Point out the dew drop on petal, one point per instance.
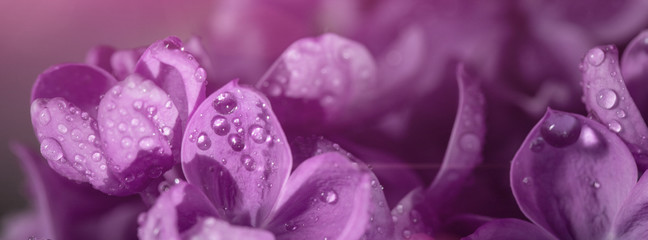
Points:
(470, 142)
(328, 196)
(290, 226)
(620, 113)
(96, 156)
(225, 103)
(248, 162)
(126, 142)
(607, 98)
(560, 129)
(200, 74)
(220, 125)
(258, 133)
(407, 234)
(595, 56)
(615, 126)
(537, 144)
(236, 142)
(44, 117)
(51, 149)
(62, 128)
(146, 143)
(203, 142)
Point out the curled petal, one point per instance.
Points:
(139, 127)
(607, 98)
(327, 196)
(176, 71)
(235, 150)
(82, 85)
(100, 56)
(464, 151)
(509, 229)
(212, 228)
(123, 62)
(632, 220)
(324, 80)
(175, 212)
(71, 144)
(571, 175)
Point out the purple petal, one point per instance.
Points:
(634, 67)
(139, 125)
(509, 229)
(571, 175)
(82, 85)
(24, 225)
(327, 196)
(606, 97)
(632, 220)
(236, 151)
(100, 56)
(408, 220)
(176, 211)
(177, 72)
(71, 144)
(212, 228)
(464, 151)
(123, 62)
(324, 80)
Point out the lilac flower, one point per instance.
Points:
(63, 209)
(237, 161)
(117, 135)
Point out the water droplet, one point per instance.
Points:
(328, 196)
(62, 128)
(248, 162)
(258, 133)
(76, 134)
(607, 98)
(537, 144)
(399, 208)
(236, 142)
(138, 104)
(615, 126)
(595, 56)
(121, 127)
(200, 74)
(525, 180)
(225, 103)
(91, 138)
(560, 129)
(596, 184)
(168, 104)
(290, 226)
(96, 156)
(407, 234)
(79, 158)
(129, 178)
(620, 113)
(44, 117)
(152, 110)
(146, 143)
(203, 142)
(220, 125)
(51, 149)
(470, 142)
(126, 142)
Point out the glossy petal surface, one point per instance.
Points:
(408, 220)
(571, 175)
(509, 229)
(607, 98)
(235, 149)
(327, 196)
(632, 220)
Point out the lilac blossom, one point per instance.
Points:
(237, 161)
(117, 135)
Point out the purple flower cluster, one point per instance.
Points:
(359, 119)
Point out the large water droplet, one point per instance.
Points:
(560, 129)
(203, 142)
(44, 117)
(200, 74)
(329, 196)
(220, 125)
(225, 103)
(615, 126)
(470, 142)
(236, 142)
(595, 56)
(258, 133)
(51, 149)
(146, 143)
(607, 98)
(248, 162)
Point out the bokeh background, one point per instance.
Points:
(36, 34)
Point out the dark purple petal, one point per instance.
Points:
(327, 196)
(82, 85)
(100, 56)
(321, 81)
(571, 175)
(123, 62)
(177, 72)
(634, 67)
(235, 150)
(632, 220)
(607, 98)
(464, 151)
(212, 228)
(23, 226)
(408, 220)
(510, 229)
(139, 125)
(71, 144)
(176, 211)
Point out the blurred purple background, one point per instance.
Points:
(36, 34)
